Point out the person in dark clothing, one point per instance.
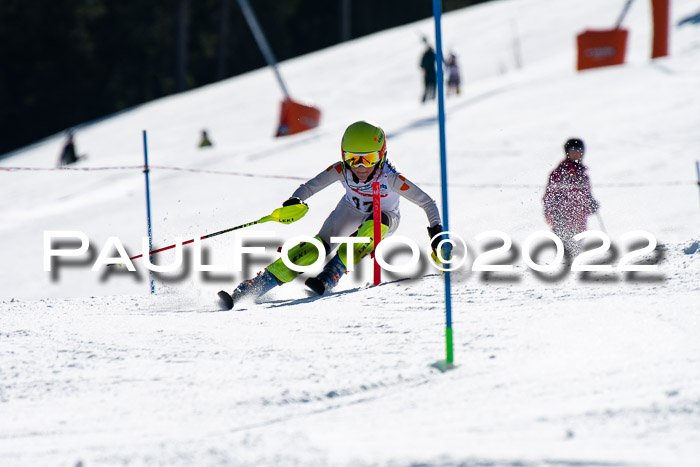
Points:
(427, 63)
(568, 200)
(68, 155)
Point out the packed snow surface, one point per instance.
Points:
(552, 368)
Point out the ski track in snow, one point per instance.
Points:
(208, 386)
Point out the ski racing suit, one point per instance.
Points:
(354, 211)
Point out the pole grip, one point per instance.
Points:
(377, 214)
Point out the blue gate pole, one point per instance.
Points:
(148, 207)
(437, 12)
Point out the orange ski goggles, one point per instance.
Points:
(366, 159)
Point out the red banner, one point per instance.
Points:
(601, 48)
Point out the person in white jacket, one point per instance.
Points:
(363, 161)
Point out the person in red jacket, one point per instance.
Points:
(568, 200)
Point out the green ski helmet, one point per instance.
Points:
(363, 144)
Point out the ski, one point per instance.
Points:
(225, 300)
(315, 285)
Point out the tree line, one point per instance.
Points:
(66, 62)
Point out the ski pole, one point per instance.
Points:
(284, 215)
(697, 167)
(600, 220)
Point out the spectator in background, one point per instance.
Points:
(452, 74)
(205, 141)
(427, 63)
(568, 200)
(68, 155)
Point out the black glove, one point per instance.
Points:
(292, 201)
(432, 232)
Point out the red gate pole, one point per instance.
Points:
(377, 205)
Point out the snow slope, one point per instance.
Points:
(554, 369)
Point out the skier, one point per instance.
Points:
(363, 161)
(568, 200)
